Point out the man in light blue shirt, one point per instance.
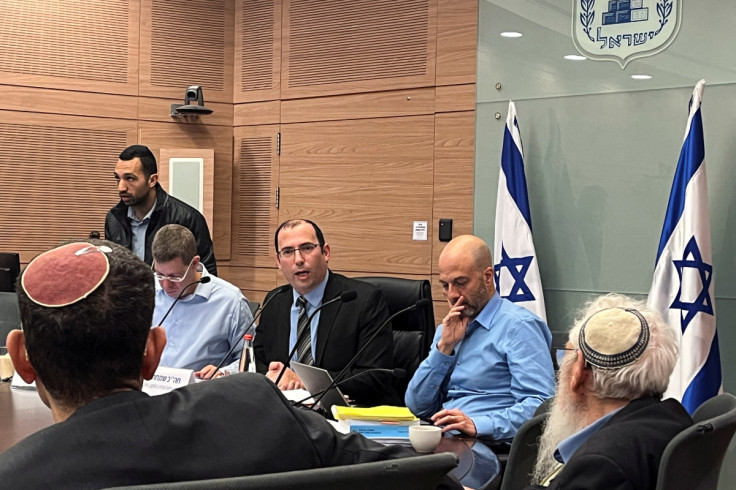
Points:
(490, 366)
(208, 320)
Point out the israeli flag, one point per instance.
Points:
(514, 258)
(682, 288)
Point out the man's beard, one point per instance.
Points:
(565, 419)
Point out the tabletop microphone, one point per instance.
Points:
(257, 315)
(345, 297)
(396, 372)
(422, 303)
(202, 280)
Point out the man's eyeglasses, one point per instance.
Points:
(561, 352)
(304, 249)
(162, 277)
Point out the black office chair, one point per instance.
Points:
(9, 270)
(693, 458)
(523, 454)
(545, 407)
(9, 314)
(559, 339)
(414, 473)
(254, 305)
(414, 330)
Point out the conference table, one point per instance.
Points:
(22, 413)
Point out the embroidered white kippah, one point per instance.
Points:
(614, 337)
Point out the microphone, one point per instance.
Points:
(396, 372)
(202, 280)
(345, 297)
(422, 303)
(257, 315)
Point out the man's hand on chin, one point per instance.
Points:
(454, 326)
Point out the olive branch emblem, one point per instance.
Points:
(587, 14)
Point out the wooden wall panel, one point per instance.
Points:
(453, 98)
(410, 102)
(454, 158)
(257, 50)
(335, 47)
(168, 135)
(255, 177)
(255, 282)
(457, 41)
(366, 94)
(83, 45)
(257, 113)
(57, 177)
(187, 42)
(49, 101)
(364, 182)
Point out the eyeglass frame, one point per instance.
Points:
(561, 352)
(161, 277)
(291, 251)
(559, 358)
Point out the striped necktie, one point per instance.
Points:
(303, 334)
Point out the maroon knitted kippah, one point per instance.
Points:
(66, 275)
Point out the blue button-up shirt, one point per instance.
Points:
(567, 447)
(204, 325)
(498, 374)
(139, 227)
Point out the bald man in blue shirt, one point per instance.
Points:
(490, 366)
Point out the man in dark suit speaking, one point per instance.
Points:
(88, 344)
(335, 332)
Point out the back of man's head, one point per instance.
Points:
(148, 160)
(171, 242)
(86, 310)
(629, 348)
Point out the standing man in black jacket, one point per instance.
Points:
(145, 207)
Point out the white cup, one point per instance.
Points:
(6, 365)
(424, 438)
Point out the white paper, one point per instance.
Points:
(420, 230)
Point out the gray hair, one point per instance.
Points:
(650, 374)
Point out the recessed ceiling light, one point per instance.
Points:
(641, 77)
(575, 57)
(511, 34)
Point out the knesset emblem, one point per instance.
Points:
(623, 30)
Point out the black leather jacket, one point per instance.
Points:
(168, 210)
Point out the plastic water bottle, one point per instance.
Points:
(248, 358)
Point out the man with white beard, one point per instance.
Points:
(608, 426)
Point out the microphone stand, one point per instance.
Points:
(422, 303)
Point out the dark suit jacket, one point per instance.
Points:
(625, 452)
(236, 425)
(343, 328)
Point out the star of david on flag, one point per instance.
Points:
(682, 288)
(514, 257)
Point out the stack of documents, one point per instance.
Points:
(384, 424)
